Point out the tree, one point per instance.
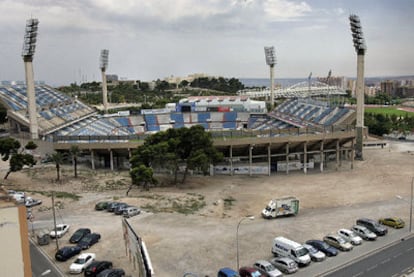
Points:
(142, 175)
(74, 152)
(191, 147)
(57, 158)
(9, 150)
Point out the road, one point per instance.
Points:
(395, 260)
(41, 265)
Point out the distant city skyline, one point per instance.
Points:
(150, 40)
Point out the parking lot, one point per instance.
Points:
(205, 241)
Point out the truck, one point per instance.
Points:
(281, 207)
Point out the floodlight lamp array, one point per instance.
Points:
(104, 59)
(357, 34)
(270, 55)
(30, 36)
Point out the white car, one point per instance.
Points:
(19, 196)
(350, 236)
(315, 254)
(267, 268)
(363, 232)
(61, 229)
(81, 263)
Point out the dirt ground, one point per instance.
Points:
(204, 241)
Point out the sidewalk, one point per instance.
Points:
(343, 259)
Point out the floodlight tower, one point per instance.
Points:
(103, 66)
(271, 61)
(360, 48)
(29, 46)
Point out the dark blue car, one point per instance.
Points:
(227, 272)
(324, 247)
(66, 253)
(89, 240)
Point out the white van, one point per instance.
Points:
(131, 211)
(287, 248)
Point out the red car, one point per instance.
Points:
(250, 272)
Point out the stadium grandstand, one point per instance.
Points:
(304, 123)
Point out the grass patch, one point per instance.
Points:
(387, 111)
(58, 194)
(228, 202)
(183, 205)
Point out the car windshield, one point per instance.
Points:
(325, 245)
(352, 235)
(80, 261)
(301, 252)
(256, 274)
(341, 240)
(87, 239)
(269, 267)
(312, 249)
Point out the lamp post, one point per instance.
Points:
(103, 65)
(360, 48)
(28, 51)
(411, 203)
(271, 61)
(237, 237)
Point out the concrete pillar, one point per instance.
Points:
(305, 157)
(104, 91)
(322, 157)
(287, 158)
(31, 99)
(250, 159)
(352, 154)
(337, 155)
(231, 160)
(111, 159)
(269, 157)
(360, 90)
(92, 159)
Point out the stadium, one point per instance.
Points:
(309, 128)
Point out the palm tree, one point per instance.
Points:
(57, 158)
(74, 152)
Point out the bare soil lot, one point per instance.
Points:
(192, 228)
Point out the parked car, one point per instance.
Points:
(79, 234)
(373, 226)
(227, 272)
(120, 208)
(315, 254)
(61, 229)
(350, 236)
(363, 232)
(131, 211)
(267, 268)
(247, 271)
(394, 222)
(338, 242)
(284, 264)
(19, 196)
(329, 251)
(89, 240)
(82, 262)
(114, 272)
(102, 205)
(112, 206)
(97, 266)
(43, 237)
(67, 252)
(30, 202)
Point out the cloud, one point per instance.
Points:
(283, 10)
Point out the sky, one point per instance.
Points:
(154, 39)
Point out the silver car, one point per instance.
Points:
(315, 254)
(267, 268)
(363, 232)
(284, 264)
(350, 236)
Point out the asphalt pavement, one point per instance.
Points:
(361, 255)
(41, 265)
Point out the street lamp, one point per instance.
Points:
(237, 237)
(103, 65)
(271, 61)
(411, 203)
(28, 51)
(360, 48)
